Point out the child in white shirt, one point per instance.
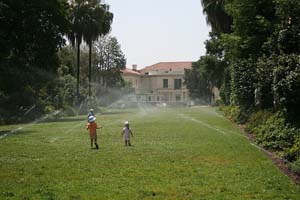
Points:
(127, 132)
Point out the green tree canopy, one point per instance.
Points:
(30, 35)
(90, 19)
(109, 61)
(216, 16)
(205, 74)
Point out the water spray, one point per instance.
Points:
(30, 124)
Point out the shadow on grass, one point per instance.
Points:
(18, 131)
(2, 133)
(63, 120)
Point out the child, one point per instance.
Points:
(127, 132)
(91, 113)
(92, 126)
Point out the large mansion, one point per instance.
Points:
(161, 82)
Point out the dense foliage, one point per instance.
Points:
(108, 63)
(39, 74)
(203, 77)
(219, 20)
(31, 33)
(207, 73)
(89, 20)
(106, 83)
(261, 79)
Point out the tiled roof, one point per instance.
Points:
(168, 66)
(130, 71)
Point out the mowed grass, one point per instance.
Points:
(184, 153)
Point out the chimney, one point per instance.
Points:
(134, 67)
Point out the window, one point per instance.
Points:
(177, 97)
(157, 98)
(149, 98)
(165, 83)
(177, 84)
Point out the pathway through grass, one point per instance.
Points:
(186, 153)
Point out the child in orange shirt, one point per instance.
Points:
(92, 126)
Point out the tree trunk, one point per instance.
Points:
(78, 71)
(90, 68)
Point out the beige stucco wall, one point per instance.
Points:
(135, 80)
(153, 86)
(150, 87)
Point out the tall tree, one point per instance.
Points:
(98, 23)
(78, 18)
(30, 36)
(109, 61)
(205, 74)
(253, 24)
(90, 19)
(216, 16)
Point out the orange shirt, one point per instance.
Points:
(92, 127)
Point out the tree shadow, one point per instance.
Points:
(63, 120)
(7, 133)
(2, 133)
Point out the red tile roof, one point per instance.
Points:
(130, 71)
(169, 65)
(159, 66)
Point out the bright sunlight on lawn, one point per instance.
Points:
(183, 153)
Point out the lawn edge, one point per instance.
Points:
(279, 162)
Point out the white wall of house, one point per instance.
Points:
(135, 80)
(152, 87)
(149, 83)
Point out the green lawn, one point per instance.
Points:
(184, 153)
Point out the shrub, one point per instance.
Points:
(244, 114)
(264, 96)
(286, 86)
(237, 114)
(243, 83)
(275, 134)
(294, 152)
(295, 166)
(70, 111)
(218, 102)
(232, 112)
(49, 109)
(256, 120)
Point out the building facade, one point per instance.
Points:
(161, 82)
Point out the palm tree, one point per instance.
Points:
(98, 23)
(78, 17)
(216, 16)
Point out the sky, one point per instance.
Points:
(152, 31)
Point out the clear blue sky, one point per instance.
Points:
(152, 31)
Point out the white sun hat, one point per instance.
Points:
(92, 118)
(125, 123)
